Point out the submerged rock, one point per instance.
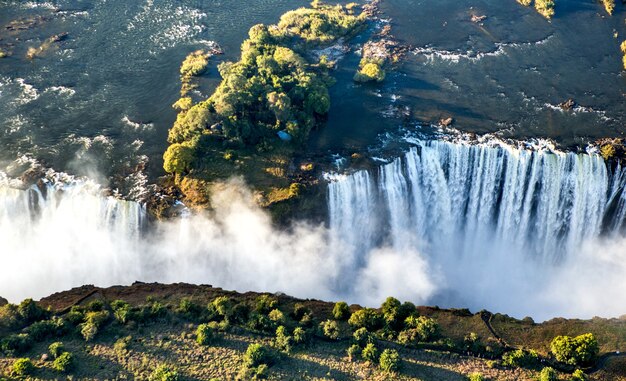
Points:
(568, 104)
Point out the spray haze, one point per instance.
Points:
(456, 225)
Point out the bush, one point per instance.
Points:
(341, 311)
(30, 312)
(370, 353)
(300, 336)
(76, 315)
(578, 375)
(354, 351)
(16, 344)
(178, 158)
(47, 328)
(205, 334)
(95, 305)
(282, 341)
(366, 317)
(64, 363)
(521, 359)
(9, 316)
(240, 313)
(223, 305)
(56, 349)
(22, 367)
(265, 304)
(362, 337)
(330, 329)
(260, 322)
(163, 373)
(121, 311)
(548, 374)
(425, 329)
(580, 350)
(389, 360)
(93, 321)
(257, 355)
(299, 310)
(276, 316)
(476, 377)
(370, 72)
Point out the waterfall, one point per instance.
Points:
(63, 233)
(474, 200)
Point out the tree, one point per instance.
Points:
(256, 355)
(178, 158)
(579, 350)
(366, 317)
(370, 72)
(390, 360)
(330, 329)
(341, 311)
(370, 353)
(64, 363)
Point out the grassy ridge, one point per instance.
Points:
(154, 334)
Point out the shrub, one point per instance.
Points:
(578, 375)
(299, 310)
(300, 336)
(22, 367)
(64, 363)
(15, 344)
(330, 329)
(95, 305)
(276, 316)
(9, 316)
(266, 303)
(56, 349)
(30, 312)
(354, 351)
(178, 158)
(194, 64)
(476, 377)
(240, 313)
(282, 341)
(76, 315)
(121, 311)
(548, 374)
(366, 317)
(341, 311)
(370, 353)
(260, 322)
(93, 322)
(205, 334)
(223, 305)
(426, 329)
(521, 359)
(256, 355)
(580, 350)
(361, 336)
(370, 72)
(389, 360)
(163, 373)
(41, 330)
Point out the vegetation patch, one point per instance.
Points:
(265, 106)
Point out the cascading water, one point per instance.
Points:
(473, 199)
(511, 230)
(486, 218)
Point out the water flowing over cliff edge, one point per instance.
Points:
(527, 232)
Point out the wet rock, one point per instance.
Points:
(568, 104)
(477, 19)
(447, 122)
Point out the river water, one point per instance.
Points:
(488, 225)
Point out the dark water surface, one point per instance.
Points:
(98, 103)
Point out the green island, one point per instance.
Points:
(260, 116)
(186, 332)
